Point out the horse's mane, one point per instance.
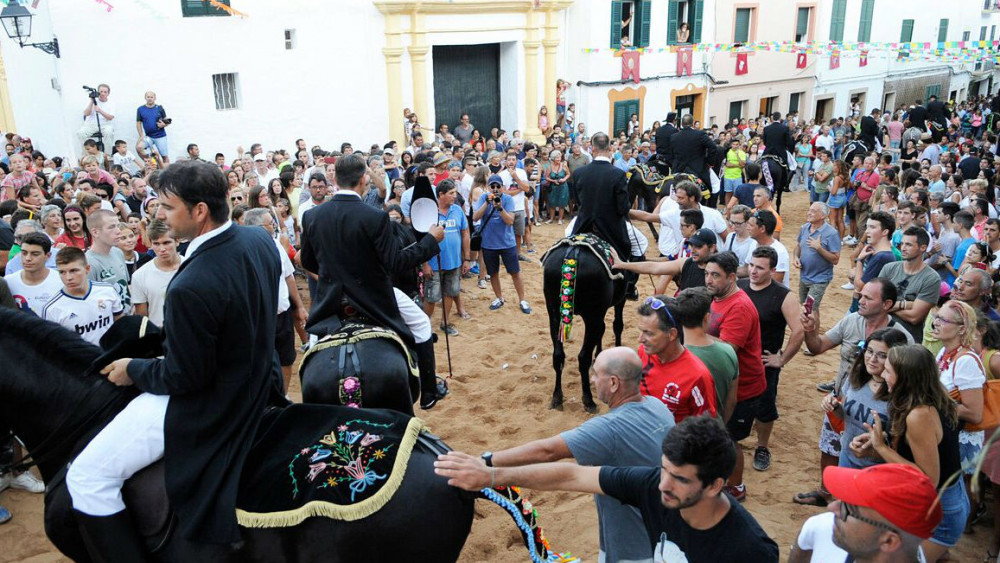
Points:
(62, 345)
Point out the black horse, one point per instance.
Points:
(51, 400)
(646, 184)
(857, 147)
(576, 282)
(776, 176)
(360, 366)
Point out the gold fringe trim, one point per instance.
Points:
(348, 513)
(341, 338)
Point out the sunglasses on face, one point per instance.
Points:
(850, 511)
(236, 198)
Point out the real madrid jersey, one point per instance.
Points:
(89, 316)
(33, 297)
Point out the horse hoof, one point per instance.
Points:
(590, 408)
(557, 403)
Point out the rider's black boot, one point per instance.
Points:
(111, 538)
(430, 391)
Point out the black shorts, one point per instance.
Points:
(768, 411)
(744, 414)
(284, 339)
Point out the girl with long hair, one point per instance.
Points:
(924, 424)
(75, 233)
(479, 179)
(838, 195)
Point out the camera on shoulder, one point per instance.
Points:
(92, 92)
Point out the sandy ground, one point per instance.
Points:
(501, 385)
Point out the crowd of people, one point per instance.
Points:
(914, 212)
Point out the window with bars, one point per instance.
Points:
(226, 88)
(198, 8)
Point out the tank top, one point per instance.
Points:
(986, 356)
(768, 303)
(948, 457)
(691, 275)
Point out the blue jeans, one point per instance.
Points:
(729, 184)
(838, 150)
(894, 145)
(815, 196)
(955, 505)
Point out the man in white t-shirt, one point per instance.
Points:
(739, 241)
(104, 107)
(318, 190)
(85, 307)
(149, 283)
(762, 224)
(106, 260)
(35, 284)
(886, 509)
(515, 184)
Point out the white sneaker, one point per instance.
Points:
(25, 481)
(847, 285)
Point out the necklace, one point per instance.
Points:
(945, 362)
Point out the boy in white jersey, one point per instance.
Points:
(34, 285)
(85, 307)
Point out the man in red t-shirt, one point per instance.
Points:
(734, 320)
(671, 373)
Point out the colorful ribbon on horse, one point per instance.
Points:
(567, 291)
(526, 519)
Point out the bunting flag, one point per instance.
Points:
(741, 63)
(834, 60)
(105, 3)
(684, 61)
(801, 59)
(863, 60)
(220, 6)
(630, 66)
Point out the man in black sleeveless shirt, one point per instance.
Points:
(777, 308)
(690, 271)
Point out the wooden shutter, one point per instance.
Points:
(793, 102)
(943, 30)
(906, 35)
(621, 117)
(616, 24)
(742, 32)
(699, 10)
(642, 31)
(837, 20)
(802, 25)
(673, 24)
(865, 27)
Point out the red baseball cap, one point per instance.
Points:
(901, 493)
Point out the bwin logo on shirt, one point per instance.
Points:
(91, 326)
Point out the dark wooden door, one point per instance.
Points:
(467, 80)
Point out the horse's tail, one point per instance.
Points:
(567, 293)
(526, 519)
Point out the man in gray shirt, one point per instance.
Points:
(464, 130)
(917, 284)
(816, 253)
(630, 434)
(107, 261)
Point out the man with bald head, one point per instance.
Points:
(630, 433)
(972, 287)
(151, 123)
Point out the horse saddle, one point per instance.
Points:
(592, 243)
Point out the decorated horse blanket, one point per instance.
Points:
(352, 333)
(322, 460)
(590, 243)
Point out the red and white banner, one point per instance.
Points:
(834, 60)
(741, 64)
(630, 66)
(801, 60)
(684, 61)
(863, 61)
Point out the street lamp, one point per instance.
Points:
(16, 21)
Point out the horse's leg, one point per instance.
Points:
(649, 198)
(594, 327)
(779, 188)
(619, 322)
(558, 353)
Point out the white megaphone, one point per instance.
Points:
(423, 205)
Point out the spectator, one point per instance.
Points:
(817, 251)
(776, 310)
(918, 284)
(739, 241)
(107, 261)
(924, 424)
(34, 285)
(876, 253)
(671, 373)
(733, 164)
(686, 515)
(962, 223)
(75, 234)
(690, 272)
(694, 308)
(762, 202)
(947, 237)
(150, 281)
(85, 307)
(629, 434)
(864, 184)
(126, 159)
(735, 322)
(319, 189)
(496, 210)
(885, 509)
(515, 183)
(127, 239)
(103, 107)
(762, 225)
(443, 273)
(18, 178)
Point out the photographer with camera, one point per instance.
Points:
(151, 122)
(496, 210)
(98, 116)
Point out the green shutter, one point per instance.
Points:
(793, 102)
(982, 33)
(802, 24)
(865, 26)
(837, 20)
(742, 32)
(735, 110)
(642, 34)
(616, 24)
(195, 8)
(622, 111)
(932, 90)
(943, 30)
(907, 34)
(672, 23)
(993, 32)
(699, 10)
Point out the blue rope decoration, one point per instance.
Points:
(519, 521)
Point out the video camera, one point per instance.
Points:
(92, 92)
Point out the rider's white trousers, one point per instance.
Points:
(415, 318)
(130, 442)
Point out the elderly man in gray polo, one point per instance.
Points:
(817, 251)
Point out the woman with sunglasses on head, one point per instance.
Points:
(924, 422)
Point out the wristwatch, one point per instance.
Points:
(487, 458)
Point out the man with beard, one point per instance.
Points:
(688, 516)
